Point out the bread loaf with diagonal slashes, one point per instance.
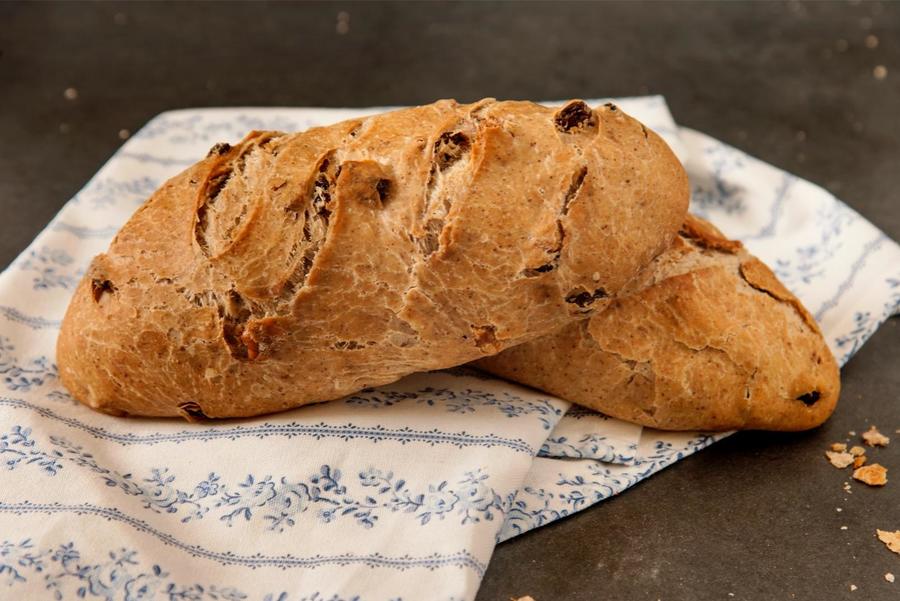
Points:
(705, 338)
(295, 268)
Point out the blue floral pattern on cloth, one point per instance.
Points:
(866, 322)
(106, 192)
(120, 574)
(375, 497)
(575, 487)
(460, 400)
(50, 268)
(17, 449)
(717, 192)
(35, 323)
(23, 376)
(274, 500)
(588, 446)
(316, 431)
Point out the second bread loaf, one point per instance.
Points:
(706, 338)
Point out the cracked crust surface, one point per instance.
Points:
(295, 268)
(705, 338)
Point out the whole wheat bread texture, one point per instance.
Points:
(706, 338)
(295, 268)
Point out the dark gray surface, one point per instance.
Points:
(756, 515)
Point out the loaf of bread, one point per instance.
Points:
(296, 268)
(706, 338)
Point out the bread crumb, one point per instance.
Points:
(521, 599)
(891, 539)
(874, 438)
(856, 451)
(852, 432)
(889, 577)
(70, 93)
(343, 23)
(871, 41)
(843, 527)
(839, 509)
(859, 461)
(880, 72)
(838, 447)
(124, 134)
(839, 460)
(873, 475)
(853, 587)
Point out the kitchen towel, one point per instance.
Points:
(397, 493)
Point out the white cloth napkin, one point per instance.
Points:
(398, 493)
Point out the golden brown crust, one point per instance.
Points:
(706, 235)
(708, 339)
(297, 268)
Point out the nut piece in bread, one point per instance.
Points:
(295, 268)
